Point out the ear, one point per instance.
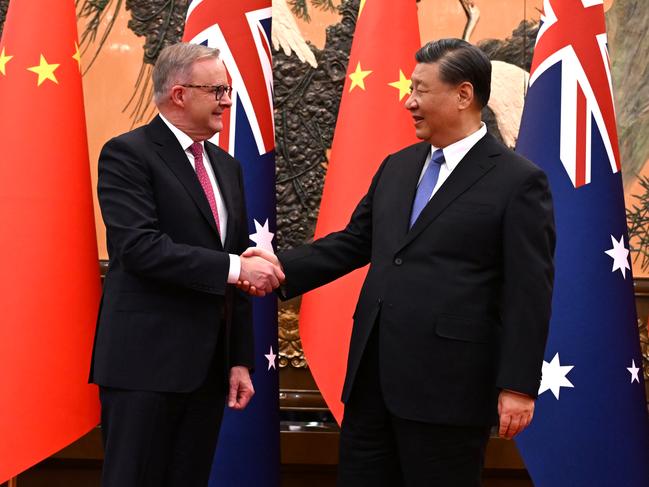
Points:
(177, 95)
(465, 95)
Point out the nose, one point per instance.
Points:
(411, 102)
(225, 100)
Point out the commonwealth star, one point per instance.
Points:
(554, 376)
(263, 237)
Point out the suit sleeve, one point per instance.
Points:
(313, 265)
(128, 208)
(242, 331)
(528, 253)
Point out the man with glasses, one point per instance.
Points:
(174, 338)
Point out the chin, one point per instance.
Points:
(421, 134)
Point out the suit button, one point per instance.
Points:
(398, 261)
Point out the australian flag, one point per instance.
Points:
(248, 449)
(590, 427)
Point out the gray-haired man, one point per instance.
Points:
(174, 337)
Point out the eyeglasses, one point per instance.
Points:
(218, 90)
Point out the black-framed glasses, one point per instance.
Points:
(218, 90)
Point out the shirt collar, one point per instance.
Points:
(456, 151)
(183, 139)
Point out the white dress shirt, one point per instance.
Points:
(453, 154)
(185, 142)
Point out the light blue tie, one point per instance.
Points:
(426, 185)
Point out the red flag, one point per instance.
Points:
(372, 122)
(49, 279)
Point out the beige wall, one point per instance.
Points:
(107, 87)
(445, 18)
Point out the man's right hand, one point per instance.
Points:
(261, 273)
(256, 253)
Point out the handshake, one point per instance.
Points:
(261, 272)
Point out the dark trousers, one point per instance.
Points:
(161, 439)
(378, 449)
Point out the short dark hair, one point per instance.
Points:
(460, 61)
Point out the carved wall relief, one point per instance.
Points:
(306, 108)
(4, 5)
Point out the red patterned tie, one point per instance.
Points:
(197, 151)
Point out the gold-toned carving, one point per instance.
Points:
(291, 353)
(306, 101)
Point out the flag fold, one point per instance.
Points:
(590, 426)
(372, 123)
(49, 273)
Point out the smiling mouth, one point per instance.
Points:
(417, 119)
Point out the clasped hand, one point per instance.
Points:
(515, 411)
(261, 272)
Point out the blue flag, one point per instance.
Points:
(248, 450)
(590, 427)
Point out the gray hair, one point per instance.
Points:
(174, 66)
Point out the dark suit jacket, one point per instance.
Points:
(165, 298)
(462, 299)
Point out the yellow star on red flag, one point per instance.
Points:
(385, 38)
(77, 55)
(358, 77)
(44, 70)
(360, 9)
(4, 59)
(403, 85)
(25, 419)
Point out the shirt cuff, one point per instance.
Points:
(518, 393)
(235, 269)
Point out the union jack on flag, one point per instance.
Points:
(241, 31)
(573, 33)
(590, 426)
(248, 449)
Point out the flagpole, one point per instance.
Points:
(13, 482)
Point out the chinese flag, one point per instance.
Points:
(372, 123)
(49, 279)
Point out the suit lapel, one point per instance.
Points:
(173, 155)
(227, 182)
(406, 181)
(477, 162)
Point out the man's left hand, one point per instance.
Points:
(241, 389)
(245, 285)
(515, 411)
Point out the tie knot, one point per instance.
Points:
(197, 150)
(438, 157)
